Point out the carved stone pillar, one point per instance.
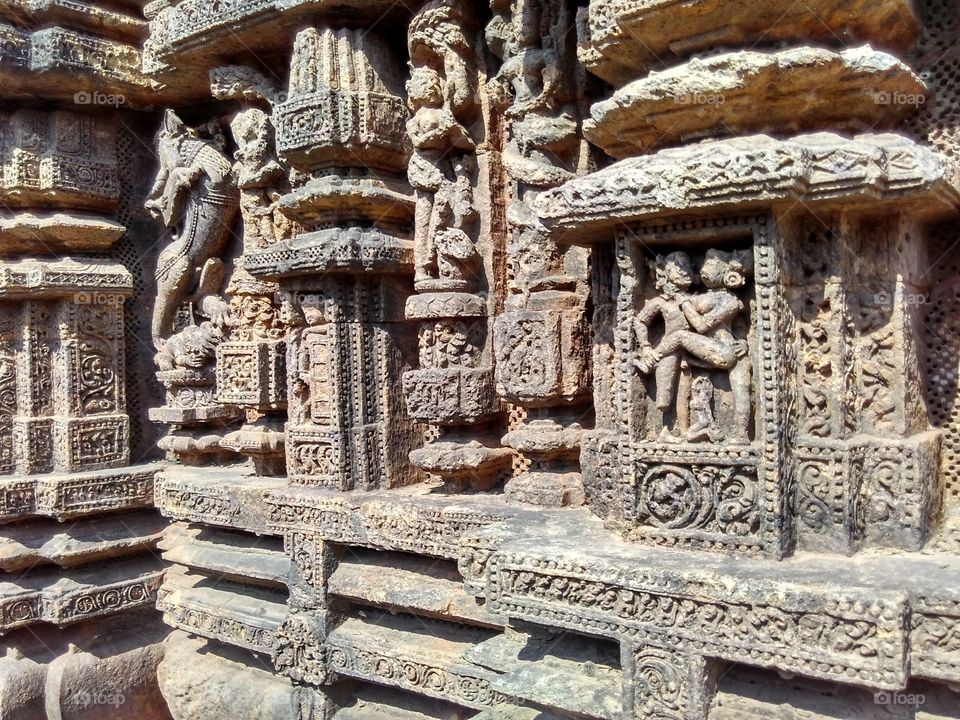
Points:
(667, 683)
(541, 339)
(65, 425)
(343, 278)
(453, 387)
(865, 454)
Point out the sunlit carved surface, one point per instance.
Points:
(534, 361)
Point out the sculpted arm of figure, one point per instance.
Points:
(642, 320)
(697, 320)
(458, 89)
(723, 307)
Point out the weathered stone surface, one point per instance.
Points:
(108, 669)
(799, 89)
(200, 681)
(57, 232)
(423, 586)
(624, 38)
(460, 417)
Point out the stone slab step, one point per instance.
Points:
(370, 702)
(257, 560)
(91, 591)
(416, 654)
(562, 672)
(95, 539)
(418, 585)
(239, 615)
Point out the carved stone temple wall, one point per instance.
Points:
(434, 360)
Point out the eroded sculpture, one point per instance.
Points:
(536, 360)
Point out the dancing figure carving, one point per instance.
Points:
(196, 197)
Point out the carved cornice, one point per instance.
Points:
(821, 170)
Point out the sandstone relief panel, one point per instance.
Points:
(531, 360)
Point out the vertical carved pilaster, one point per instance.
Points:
(541, 340)
(451, 174)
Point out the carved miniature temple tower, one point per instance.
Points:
(345, 277)
(451, 170)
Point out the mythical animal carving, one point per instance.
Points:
(195, 195)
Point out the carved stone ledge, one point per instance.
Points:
(390, 650)
(403, 583)
(81, 14)
(90, 592)
(821, 170)
(626, 38)
(65, 63)
(223, 554)
(67, 496)
(441, 305)
(242, 616)
(27, 545)
(220, 496)
(87, 281)
(195, 29)
(840, 620)
(344, 250)
(541, 668)
(738, 93)
(402, 520)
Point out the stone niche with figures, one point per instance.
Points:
(759, 403)
(757, 363)
(479, 360)
(690, 320)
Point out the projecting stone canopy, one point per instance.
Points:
(347, 250)
(803, 88)
(333, 198)
(822, 169)
(626, 38)
(43, 233)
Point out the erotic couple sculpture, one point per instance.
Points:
(697, 332)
